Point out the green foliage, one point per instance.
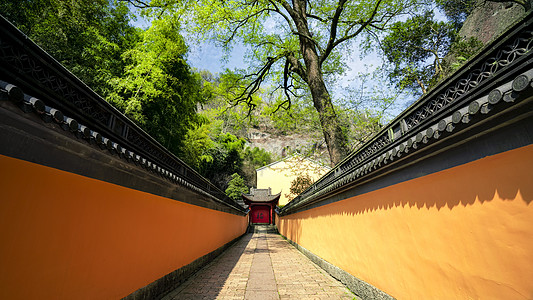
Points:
(227, 158)
(236, 187)
(227, 123)
(298, 185)
(196, 146)
(226, 116)
(88, 37)
(301, 117)
(360, 126)
(218, 157)
(456, 10)
(254, 158)
(416, 48)
(424, 50)
(158, 89)
(297, 47)
(257, 157)
(143, 73)
(461, 50)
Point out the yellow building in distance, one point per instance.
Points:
(279, 175)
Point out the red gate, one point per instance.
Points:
(260, 214)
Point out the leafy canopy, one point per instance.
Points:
(226, 158)
(142, 73)
(416, 48)
(236, 187)
(296, 47)
(424, 49)
(158, 89)
(88, 37)
(271, 29)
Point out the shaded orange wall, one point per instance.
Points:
(65, 236)
(462, 233)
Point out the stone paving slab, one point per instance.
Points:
(261, 266)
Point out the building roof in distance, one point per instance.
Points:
(260, 195)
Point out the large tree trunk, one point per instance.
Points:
(335, 139)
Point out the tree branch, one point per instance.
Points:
(311, 16)
(334, 43)
(288, 8)
(248, 91)
(333, 31)
(137, 3)
(240, 23)
(144, 4)
(284, 16)
(310, 39)
(296, 66)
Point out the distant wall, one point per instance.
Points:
(66, 236)
(461, 233)
(279, 175)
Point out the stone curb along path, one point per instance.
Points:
(261, 266)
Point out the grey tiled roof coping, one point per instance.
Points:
(261, 195)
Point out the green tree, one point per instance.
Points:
(236, 187)
(158, 90)
(88, 37)
(226, 117)
(423, 49)
(456, 11)
(227, 158)
(301, 118)
(298, 185)
(296, 45)
(257, 157)
(196, 146)
(254, 158)
(416, 48)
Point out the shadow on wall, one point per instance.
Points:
(465, 229)
(494, 177)
(482, 192)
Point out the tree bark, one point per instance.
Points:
(335, 139)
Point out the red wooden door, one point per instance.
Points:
(261, 214)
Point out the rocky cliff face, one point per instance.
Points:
(490, 19)
(282, 145)
(487, 21)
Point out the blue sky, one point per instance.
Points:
(204, 55)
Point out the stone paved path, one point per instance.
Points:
(261, 266)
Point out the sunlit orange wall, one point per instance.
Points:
(65, 236)
(462, 233)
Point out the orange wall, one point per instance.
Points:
(65, 236)
(462, 233)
